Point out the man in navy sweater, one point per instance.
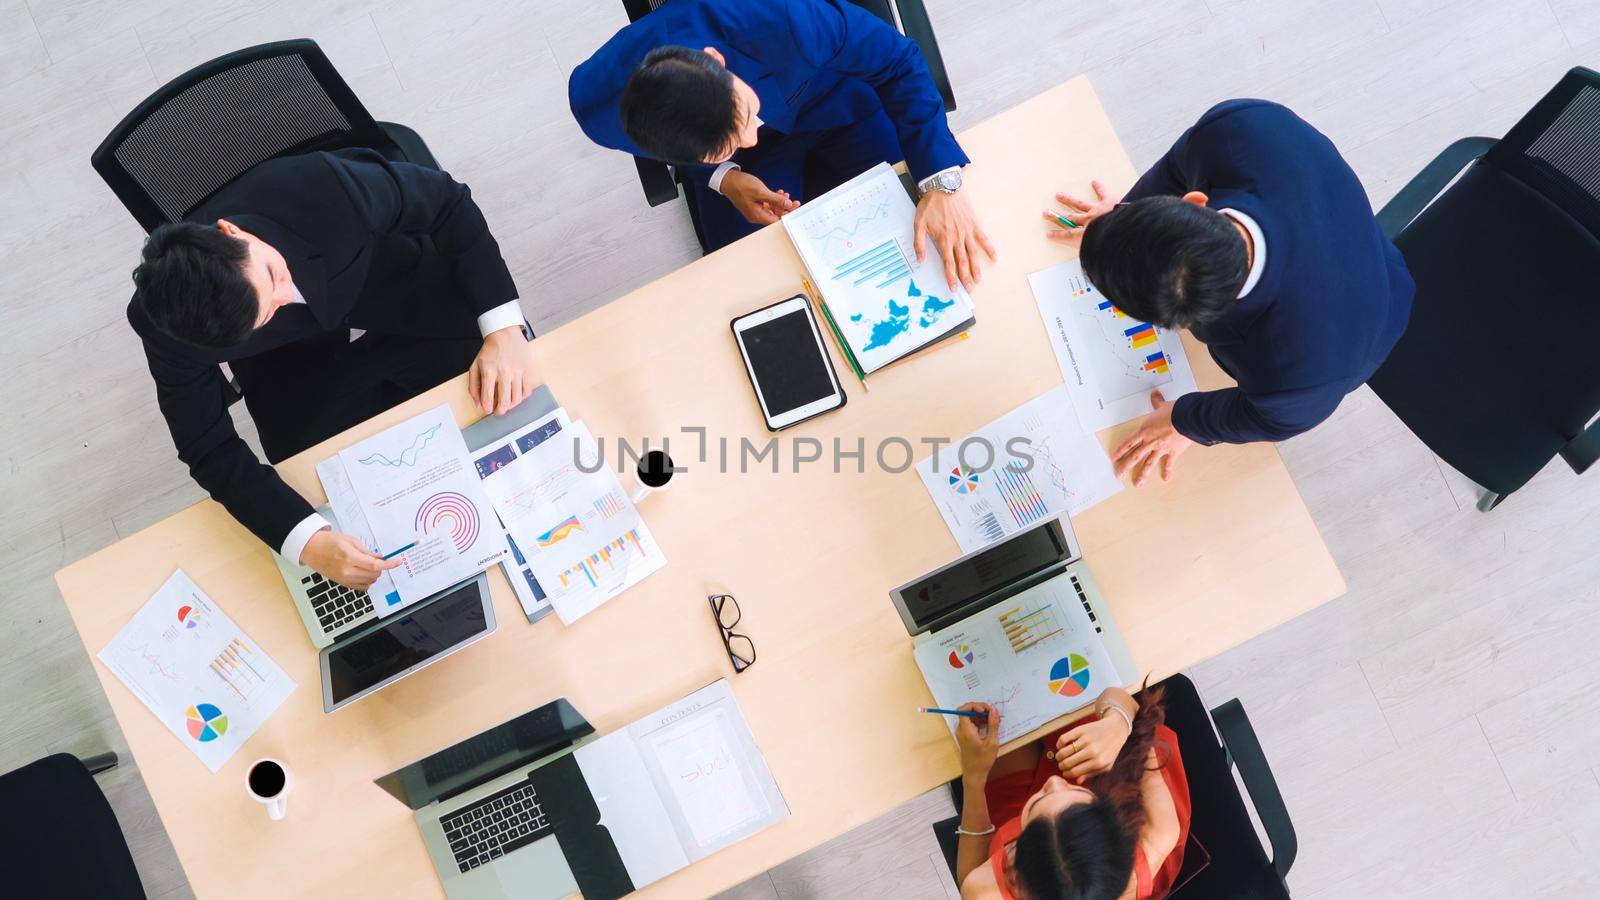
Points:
(1253, 233)
(745, 96)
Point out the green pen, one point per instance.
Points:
(1065, 221)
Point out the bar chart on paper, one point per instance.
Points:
(856, 241)
(1110, 360)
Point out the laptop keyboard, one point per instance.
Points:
(494, 826)
(334, 604)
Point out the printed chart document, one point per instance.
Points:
(490, 463)
(1110, 362)
(1059, 469)
(856, 241)
(581, 537)
(681, 783)
(415, 483)
(196, 671)
(1034, 657)
(349, 518)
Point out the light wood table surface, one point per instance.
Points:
(1191, 568)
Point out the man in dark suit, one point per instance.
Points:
(1253, 233)
(746, 97)
(271, 275)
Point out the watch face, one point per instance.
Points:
(950, 181)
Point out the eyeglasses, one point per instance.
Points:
(741, 650)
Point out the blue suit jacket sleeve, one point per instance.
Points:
(838, 35)
(1232, 416)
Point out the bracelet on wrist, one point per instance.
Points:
(983, 833)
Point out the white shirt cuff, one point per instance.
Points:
(503, 316)
(295, 544)
(722, 172)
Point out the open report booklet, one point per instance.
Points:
(681, 783)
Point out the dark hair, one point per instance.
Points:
(1166, 261)
(191, 284)
(1086, 852)
(679, 106)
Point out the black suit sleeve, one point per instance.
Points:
(194, 400)
(398, 197)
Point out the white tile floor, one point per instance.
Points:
(1433, 731)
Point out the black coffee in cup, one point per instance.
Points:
(267, 779)
(655, 469)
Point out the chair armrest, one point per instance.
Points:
(412, 146)
(1426, 185)
(1581, 452)
(657, 181)
(1244, 753)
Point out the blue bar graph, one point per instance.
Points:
(884, 264)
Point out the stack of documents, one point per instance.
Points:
(206, 680)
(579, 539)
(413, 484)
(856, 241)
(1027, 466)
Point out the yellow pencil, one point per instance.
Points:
(838, 336)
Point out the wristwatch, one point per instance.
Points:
(948, 181)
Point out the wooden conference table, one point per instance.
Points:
(1191, 568)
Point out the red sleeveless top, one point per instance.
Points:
(1007, 794)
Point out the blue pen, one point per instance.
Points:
(393, 553)
(969, 713)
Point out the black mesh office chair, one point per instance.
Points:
(909, 17)
(1223, 857)
(1495, 372)
(214, 122)
(58, 835)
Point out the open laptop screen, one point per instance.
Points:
(488, 755)
(365, 659)
(971, 578)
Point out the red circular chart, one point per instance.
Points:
(452, 514)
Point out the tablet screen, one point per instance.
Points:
(787, 362)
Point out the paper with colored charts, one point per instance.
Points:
(491, 461)
(206, 680)
(581, 536)
(1042, 465)
(416, 484)
(1111, 362)
(856, 241)
(1035, 657)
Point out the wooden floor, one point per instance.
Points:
(1433, 731)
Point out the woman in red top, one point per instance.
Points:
(1097, 810)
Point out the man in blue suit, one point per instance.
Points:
(1253, 233)
(743, 95)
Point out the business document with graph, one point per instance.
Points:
(1035, 657)
(856, 241)
(1110, 360)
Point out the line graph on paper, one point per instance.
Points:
(407, 457)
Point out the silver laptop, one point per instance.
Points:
(507, 812)
(992, 574)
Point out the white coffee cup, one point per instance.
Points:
(653, 474)
(268, 782)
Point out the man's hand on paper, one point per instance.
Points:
(758, 204)
(344, 559)
(505, 372)
(949, 220)
(1155, 446)
(1079, 213)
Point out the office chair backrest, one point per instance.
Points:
(214, 122)
(1555, 148)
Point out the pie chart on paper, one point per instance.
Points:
(961, 657)
(205, 722)
(1069, 676)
